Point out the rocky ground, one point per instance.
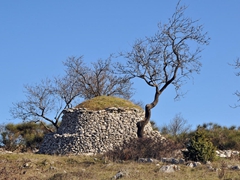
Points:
(28, 166)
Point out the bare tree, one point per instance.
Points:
(99, 80)
(236, 66)
(40, 102)
(167, 58)
(177, 125)
(47, 100)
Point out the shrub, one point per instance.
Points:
(227, 138)
(143, 148)
(200, 148)
(23, 136)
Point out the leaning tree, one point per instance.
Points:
(167, 58)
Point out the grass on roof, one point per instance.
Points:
(103, 102)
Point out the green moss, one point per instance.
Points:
(103, 102)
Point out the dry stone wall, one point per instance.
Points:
(87, 131)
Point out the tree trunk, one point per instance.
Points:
(148, 107)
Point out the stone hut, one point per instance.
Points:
(95, 131)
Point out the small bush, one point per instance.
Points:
(227, 138)
(143, 148)
(23, 136)
(200, 148)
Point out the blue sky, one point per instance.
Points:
(37, 36)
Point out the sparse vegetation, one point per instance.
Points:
(36, 166)
(227, 137)
(27, 166)
(103, 102)
(177, 129)
(178, 125)
(144, 148)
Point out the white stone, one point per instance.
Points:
(169, 168)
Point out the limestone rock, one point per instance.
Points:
(85, 131)
(147, 160)
(169, 168)
(119, 175)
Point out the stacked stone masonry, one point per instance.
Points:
(87, 131)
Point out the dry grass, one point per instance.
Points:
(144, 148)
(35, 166)
(103, 102)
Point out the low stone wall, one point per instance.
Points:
(86, 131)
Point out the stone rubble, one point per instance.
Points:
(3, 151)
(227, 153)
(119, 175)
(147, 160)
(193, 164)
(172, 164)
(87, 131)
(173, 160)
(169, 168)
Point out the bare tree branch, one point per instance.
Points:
(98, 80)
(236, 66)
(47, 100)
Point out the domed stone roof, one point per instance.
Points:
(103, 102)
